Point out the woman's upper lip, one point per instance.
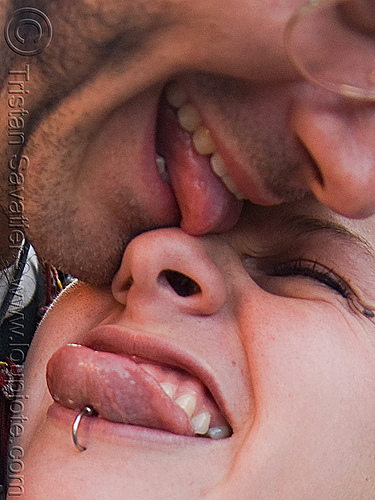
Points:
(129, 342)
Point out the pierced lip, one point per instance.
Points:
(131, 343)
(111, 431)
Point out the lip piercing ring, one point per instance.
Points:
(88, 412)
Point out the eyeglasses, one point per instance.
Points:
(332, 43)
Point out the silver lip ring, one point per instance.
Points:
(88, 412)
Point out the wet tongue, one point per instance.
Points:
(206, 205)
(119, 389)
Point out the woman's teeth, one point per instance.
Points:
(188, 403)
(200, 421)
(219, 432)
(189, 119)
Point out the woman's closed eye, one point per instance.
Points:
(315, 270)
(324, 275)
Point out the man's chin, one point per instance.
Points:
(89, 255)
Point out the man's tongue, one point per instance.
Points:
(122, 390)
(205, 203)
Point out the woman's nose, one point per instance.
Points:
(169, 269)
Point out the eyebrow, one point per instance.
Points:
(304, 224)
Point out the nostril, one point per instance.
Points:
(310, 160)
(181, 284)
(128, 283)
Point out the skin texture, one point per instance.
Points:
(297, 374)
(92, 104)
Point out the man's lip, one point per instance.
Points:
(129, 342)
(248, 182)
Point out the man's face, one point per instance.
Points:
(272, 339)
(97, 121)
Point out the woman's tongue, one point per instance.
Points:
(116, 387)
(123, 391)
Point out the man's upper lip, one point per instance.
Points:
(248, 181)
(129, 342)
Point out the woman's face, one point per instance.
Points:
(269, 335)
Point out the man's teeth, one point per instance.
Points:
(203, 141)
(189, 119)
(162, 168)
(218, 166)
(175, 95)
(201, 421)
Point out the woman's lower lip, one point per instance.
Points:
(94, 428)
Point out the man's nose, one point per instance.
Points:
(341, 142)
(168, 269)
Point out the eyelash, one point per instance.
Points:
(328, 277)
(317, 271)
